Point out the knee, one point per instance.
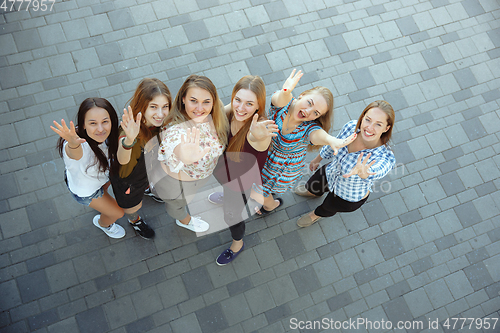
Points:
(118, 214)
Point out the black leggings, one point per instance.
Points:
(235, 211)
(333, 204)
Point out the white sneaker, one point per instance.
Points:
(196, 224)
(113, 231)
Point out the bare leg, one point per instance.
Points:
(109, 209)
(133, 209)
(268, 203)
(186, 219)
(236, 245)
(313, 216)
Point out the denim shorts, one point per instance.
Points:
(86, 200)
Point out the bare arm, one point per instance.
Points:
(73, 147)
(282, 97)
(321, 138)
(131, 129)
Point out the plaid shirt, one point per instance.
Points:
(354, 188)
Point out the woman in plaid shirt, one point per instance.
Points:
(348, 178)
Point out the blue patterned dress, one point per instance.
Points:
(287, 154)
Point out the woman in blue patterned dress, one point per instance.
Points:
(303, 122)
(348, 178)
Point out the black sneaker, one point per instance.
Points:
(150, 194)
(143, 229)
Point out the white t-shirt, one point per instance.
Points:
(83, 180)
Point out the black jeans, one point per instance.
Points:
(333, 204)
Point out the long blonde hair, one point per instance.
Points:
(326, 119)
(256, 85)
(178, 114)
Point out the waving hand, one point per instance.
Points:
(68, 134)
(189, 150)
(263, 129)
(292, 81)
(131, 127)
(361, 168)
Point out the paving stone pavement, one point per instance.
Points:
(425, 247)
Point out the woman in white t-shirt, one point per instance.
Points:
(84, 149)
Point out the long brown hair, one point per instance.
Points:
(178, 114)
(111, 141)
(145, 92)
(326, 119)
(391, 117)
(256, 85)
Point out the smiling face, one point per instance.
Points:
(198, 103)
(373, 125)
(310, 107)
(157, 110)
(97, 124)
(244, 104)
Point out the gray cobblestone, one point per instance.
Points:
(417, 252)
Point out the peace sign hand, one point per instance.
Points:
(131, 127)
(361, 168)
(189, 150)
(263, 129)
(292, 81)
(336, 144)
(68, 134)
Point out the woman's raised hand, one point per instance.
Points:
(292, 81)
(361, 168)
(263, 129)
(336, 144)
(68, 134)
(130, 126)
(189, 150)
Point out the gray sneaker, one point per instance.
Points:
(217, 198)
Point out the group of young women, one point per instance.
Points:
(252, 154)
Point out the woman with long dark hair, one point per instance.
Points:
(89, 153)
(141, 122)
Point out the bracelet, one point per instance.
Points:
(72, 147)
(128, 147)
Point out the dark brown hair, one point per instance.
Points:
(145, 92)
(111, 141)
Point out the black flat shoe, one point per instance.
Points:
(264, 211)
